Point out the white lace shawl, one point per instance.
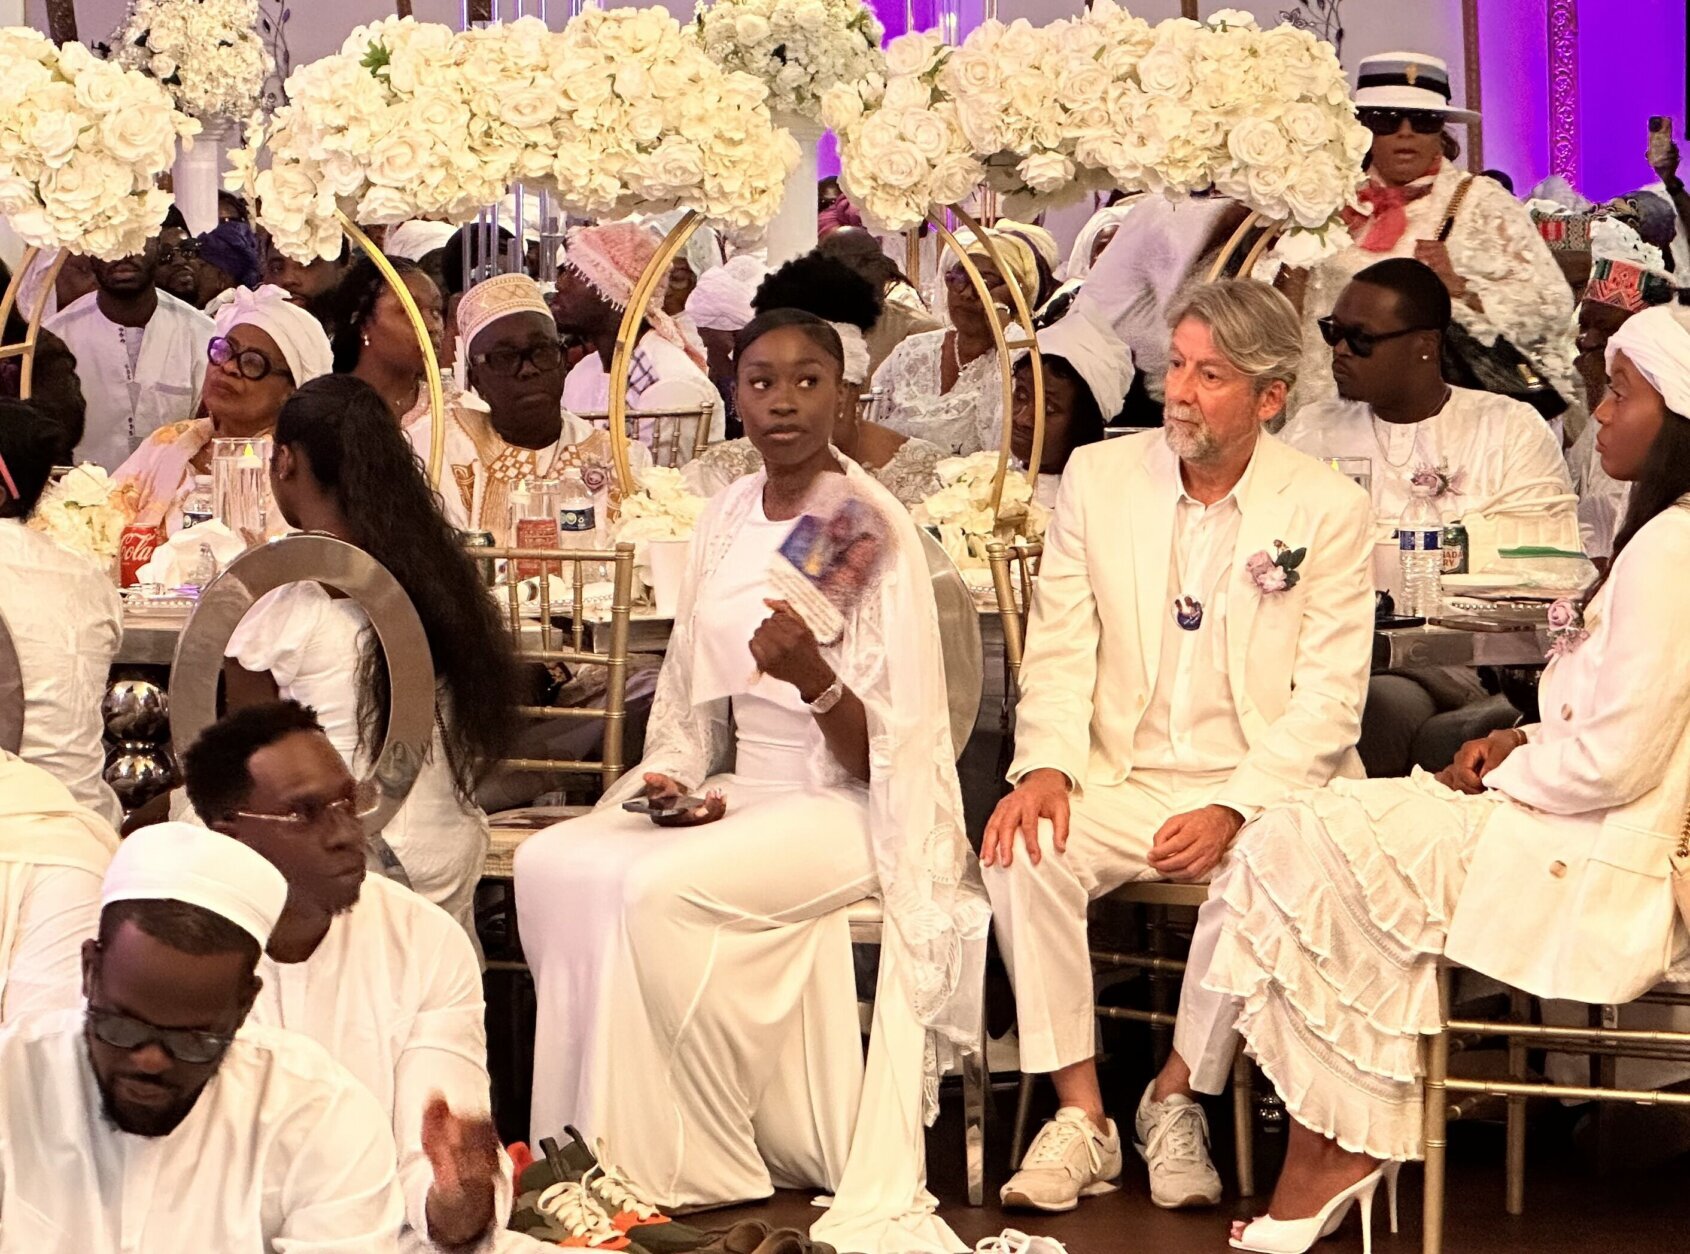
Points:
(935, 903)
(1494, 246)
(964, 420)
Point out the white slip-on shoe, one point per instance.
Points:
(1068, 1160)
(1014, 1241)
(1173, 1140)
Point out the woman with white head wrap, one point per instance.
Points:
(1087, 370)
(265, 347)
(1540, 858)
(830, 289)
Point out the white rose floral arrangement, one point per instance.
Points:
(82, 512)
(206, 53)
(82, 144)
(621, 110)
(799, 48)
(902, 148)
(662, 509)
(961, 509)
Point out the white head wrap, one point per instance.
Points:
(722, 299)
(415, 239)
(1612, 240)
(856, 351)
(1657, 342)
(1084, 339)
(300, 336)
(187, 863)
(1079, 260)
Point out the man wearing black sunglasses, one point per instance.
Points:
(152, 1119)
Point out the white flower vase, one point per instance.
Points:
(793, 231)
(198, 173)
(666, 564)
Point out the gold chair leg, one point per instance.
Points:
(1437, 1124)
(1244, 1122)
(1515, 1186)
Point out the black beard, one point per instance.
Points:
(151, 1123)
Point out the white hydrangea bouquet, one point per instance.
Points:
(902, 148)
(961, 509)
(82, 512)
(82, 144)
(662, 509)
(799, 48)
(207, 53)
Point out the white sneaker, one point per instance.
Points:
(1068, 1160)
(1173, 1139)
(1013, 1241)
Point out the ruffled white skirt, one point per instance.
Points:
(1335, 912)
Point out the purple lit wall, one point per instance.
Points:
(1630, 60)
(894, 15)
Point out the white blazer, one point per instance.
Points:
(1298, 660)
(1568, 893)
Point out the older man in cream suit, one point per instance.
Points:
(1198, 650)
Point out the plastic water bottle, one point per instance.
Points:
(1419, 545)
(576, 517)
(197, 506)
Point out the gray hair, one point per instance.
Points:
(1254, 326)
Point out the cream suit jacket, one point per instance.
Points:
(1298, 659)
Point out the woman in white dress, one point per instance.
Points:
(697, 1007)
(1540, 858)
(943, 386)
(343, 468)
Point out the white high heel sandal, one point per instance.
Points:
(1266, 1235)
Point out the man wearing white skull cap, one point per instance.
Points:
(154, 1119)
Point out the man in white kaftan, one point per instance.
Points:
(140, 354)
(1198, 649)
(383, 979)
(118, 1134)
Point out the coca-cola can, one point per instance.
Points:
(135, 549)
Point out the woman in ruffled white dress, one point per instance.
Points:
(944, 386)
(697, 1005)
(342, 467)
(1540, 858)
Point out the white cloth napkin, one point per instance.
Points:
(173, 562)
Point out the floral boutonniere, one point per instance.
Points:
(1440, 479)
(1276, 571)
(1566, 627)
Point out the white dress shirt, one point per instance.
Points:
(394, 993)
(283, 1153)
(1191, 723)
(131, 392)
(66, 622)
(1500, 451)
(661, 376)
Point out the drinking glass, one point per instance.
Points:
(1359, 469)
(240, 484)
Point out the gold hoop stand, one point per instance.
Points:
(431, 363)
(26, 349)
(1270, 232)
(1006, 363)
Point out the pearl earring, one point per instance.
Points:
(366, 341)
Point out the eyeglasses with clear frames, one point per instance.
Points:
(310, 811)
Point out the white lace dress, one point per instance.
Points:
(964, 420)
(907, 474)
(1495, 247)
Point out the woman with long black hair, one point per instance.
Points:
(342, 468)
(1541, 857)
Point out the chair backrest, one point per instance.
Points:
(11, 692)
(552, 629)
(674, 436)
(959, 635)
(1015, 568)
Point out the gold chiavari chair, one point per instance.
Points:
(553, 631)
(1604, 1042)
(1015, 571)
(674, 436)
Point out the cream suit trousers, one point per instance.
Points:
(1040, 915)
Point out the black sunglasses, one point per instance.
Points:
(129, 1034)
(1361, 343)
(1389, 121)
(543, 356)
